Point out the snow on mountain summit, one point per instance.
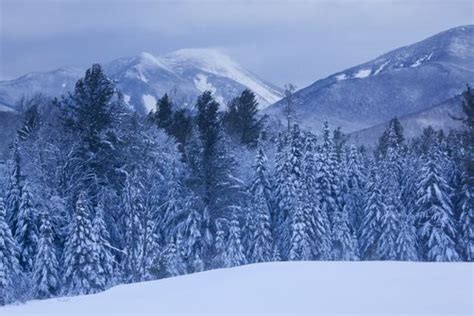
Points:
(401, 82)
(185, 73)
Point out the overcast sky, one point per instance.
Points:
(281, 40)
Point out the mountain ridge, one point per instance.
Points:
(144, 78)
(403, 81)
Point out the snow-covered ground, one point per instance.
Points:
(284, 288)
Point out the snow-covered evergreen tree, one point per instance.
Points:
(9, 267)
(102, 249)
(234, 252)
(389, 228)
(406, 243)
(13, 194)
(46, 270)
(80, 258)
(370, 230)
(467, 217)
(26, 232)
(262, 245)
(436, 228)
(344, 243)
(193, 237)
(133, 208)
(299, 242)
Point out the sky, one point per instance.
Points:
(281, 41)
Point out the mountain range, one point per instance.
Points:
(418, 83)
(405, 81)
(184, 74)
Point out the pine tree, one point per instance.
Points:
(9, 266)
(133, 208)
(193, 237)
(241, 117)
(46, 269)
(262, 245)
(220, 246)
(406, 243)
(164, 113)
(102, 249)
(174, 263)
(389, 228)
(467, 217)
(79, 257)
(13, 196)
(344, 243)
(354, 185)
(436, 228)
(370, 230)
(328, 186)
(26, 232)
(234, 252)
(299, 243)
(293, 198)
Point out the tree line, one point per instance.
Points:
(98, 195)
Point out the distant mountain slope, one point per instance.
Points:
(406, 80)
(438, 116)
(282, 288)
(144, 78)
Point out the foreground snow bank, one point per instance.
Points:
(283, 288)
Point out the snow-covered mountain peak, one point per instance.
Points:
(145, 77)
(208, 59)
(401, 82)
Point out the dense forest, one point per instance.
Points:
(98, 195)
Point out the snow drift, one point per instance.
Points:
(283, 288)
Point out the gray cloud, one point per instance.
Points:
(282, 41)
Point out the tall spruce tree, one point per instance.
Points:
(80, 258)
(46, 270)
(9, 266)
(26, 233)
(104, 260)
(234, 251)
(241, 117)
(164, 113)
(370, 230)
(13, 195)
(436, 227)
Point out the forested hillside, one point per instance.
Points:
(96, 194)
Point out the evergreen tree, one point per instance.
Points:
(104, 258)
(220, 246)
(133, 207)
(181, 126)
(344, 243)
(318, 222)
(46, 269)
(26, 232)
(467, 218)
(80, 258)
(9, 266)
(389, 228)
(174, 263)
(193, 237)
(13, 195)
(328, 186)
(437, 231)
(241, 117)
(164, 114)
(262, 244)
(370, 231)
(394, 140)
(234, 252)
(406, 243)
(299, 243)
